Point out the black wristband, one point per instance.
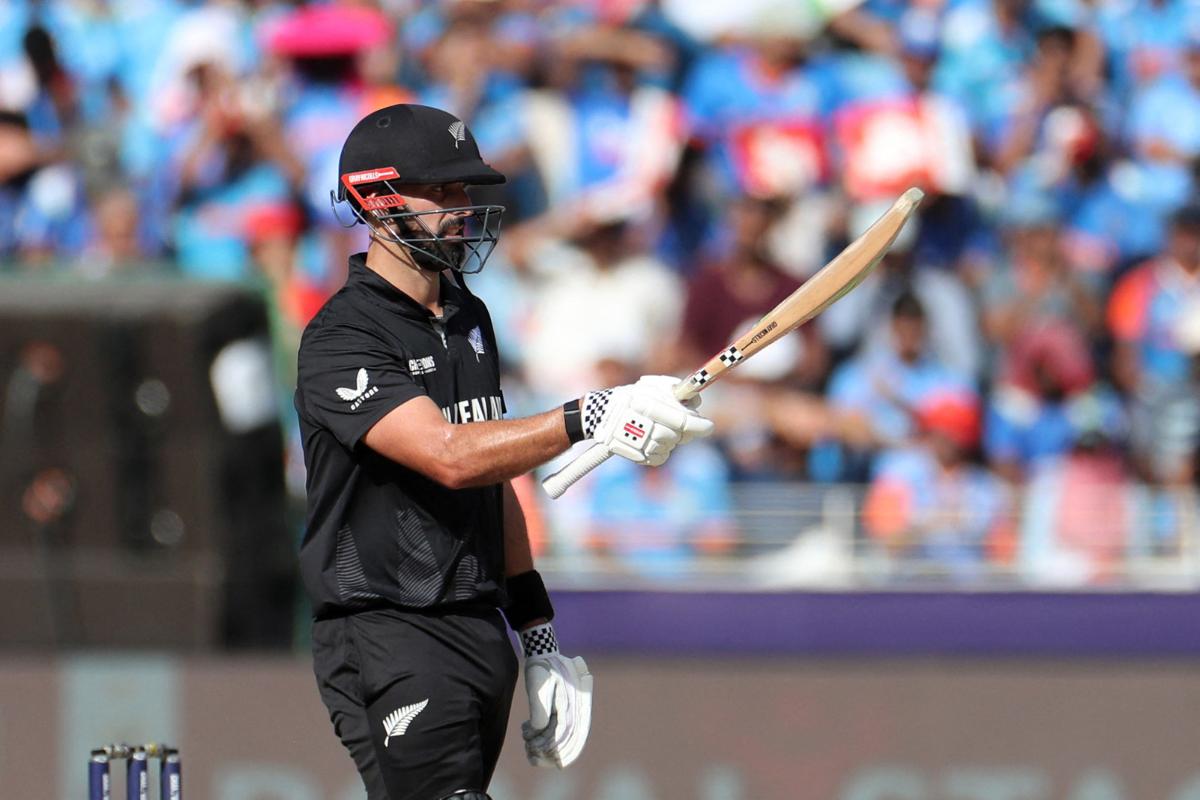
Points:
(527, 600)
(573, 417)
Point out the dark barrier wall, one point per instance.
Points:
(671, 729)
(141, 490)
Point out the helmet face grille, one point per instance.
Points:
(388, 215)
(466, 252)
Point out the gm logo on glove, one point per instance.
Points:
(634, 431)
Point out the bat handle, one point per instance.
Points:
(562, 480)
(686, 389)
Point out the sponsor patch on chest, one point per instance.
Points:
(421, 366)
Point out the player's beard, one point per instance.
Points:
(436, 256)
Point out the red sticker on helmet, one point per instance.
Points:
(371, 175)
(383, 201)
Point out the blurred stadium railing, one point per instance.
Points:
(779, 536)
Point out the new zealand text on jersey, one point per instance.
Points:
(477, 409)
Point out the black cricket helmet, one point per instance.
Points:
(411, 144)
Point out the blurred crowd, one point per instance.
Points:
(1015, 385)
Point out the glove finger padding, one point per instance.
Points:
(571, 749)
(674, 415)
(567, 684)
(665, 385)
(671, 414)
(662, 440)
(697, 427)
(662, 443)
(540, 684)
(661, 383)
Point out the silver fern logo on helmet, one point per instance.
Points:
(458, 129)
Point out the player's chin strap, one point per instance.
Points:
(466, 794)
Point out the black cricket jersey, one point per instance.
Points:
(378, 533)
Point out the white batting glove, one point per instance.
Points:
(642, 421)
(560, 701)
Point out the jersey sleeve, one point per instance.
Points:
(348, 381)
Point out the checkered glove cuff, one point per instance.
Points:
(539, 640)
(595, 405)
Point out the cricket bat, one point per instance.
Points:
(819, 292)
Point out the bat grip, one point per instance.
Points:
(685, 390)
(562, 480)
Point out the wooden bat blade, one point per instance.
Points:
(836, 278)
(832, 282)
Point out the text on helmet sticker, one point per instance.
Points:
(372, 175)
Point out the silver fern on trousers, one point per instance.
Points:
(397, 722)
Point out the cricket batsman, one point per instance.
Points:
(415, 544)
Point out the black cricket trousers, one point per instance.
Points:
(420, 700)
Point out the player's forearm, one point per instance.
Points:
(484, 453)
(528, 604)
(518, 555)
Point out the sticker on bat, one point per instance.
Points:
(765, 331)
(731, 356)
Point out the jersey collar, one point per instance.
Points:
(384, 294)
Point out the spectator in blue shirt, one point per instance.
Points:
(1150, 364)
(659, 523)
(937, 514)
(877, 393)
(1034, 283)
(41, 202)
(741, 100)
(1164, 130)
(1144, 40)
(985, 44)
(229, 162)
(1046, 400)
(1023, 128)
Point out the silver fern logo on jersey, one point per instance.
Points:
(397, 722)
(458, 129)
(475, 337)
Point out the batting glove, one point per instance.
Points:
(560, 701)
(642, 421)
